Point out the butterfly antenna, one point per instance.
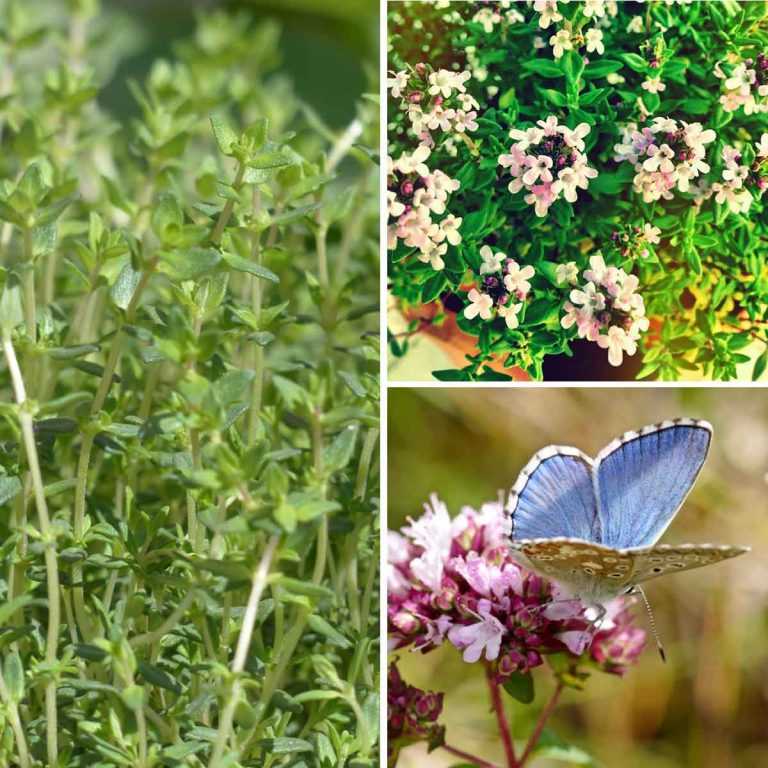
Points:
(652, 622)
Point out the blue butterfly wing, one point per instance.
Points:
(555, 496)
(642, 479)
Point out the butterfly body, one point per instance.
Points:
(591, 525)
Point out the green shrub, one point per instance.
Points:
(188, 486)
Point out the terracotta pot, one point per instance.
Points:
(453, 341)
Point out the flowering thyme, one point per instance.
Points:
(607, 309)
(548, 161)
(667, 155)
(414, 195)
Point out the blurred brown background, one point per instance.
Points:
(708, 706)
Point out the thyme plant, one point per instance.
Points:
(188, 406)
(564, 175)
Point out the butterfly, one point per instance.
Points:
(591, 525)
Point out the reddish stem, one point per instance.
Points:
(540, 723)
(466, 756)
(501, 718)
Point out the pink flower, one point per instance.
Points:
(542, 196)
(481, 637)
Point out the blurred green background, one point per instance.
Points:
(708, 706)
(329, 49)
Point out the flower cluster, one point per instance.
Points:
(411, 714)
(504, 286)
(607, 309)
(569, 39)
(493, 14)
(548, 161)
(666, 155)
(435, 100)
(455, 581)
(739, 178)
(635, 242)
(414, 195)
(746, 86)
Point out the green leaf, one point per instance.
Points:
(10, 486)
(240, 264)
(634, 61)
(760, 365)
(601, 68)
(224, 134)
(8, 609)
(284, 745)
(188, 264)
(543, 67)
(44, 239)
(339, 453)
(433, 287)
(159, 677)
(122, 291)
(167, 216)
(552, 747)
(13, 673)
(321, 626)
(520, 687)
(555, 97)
(11, 311)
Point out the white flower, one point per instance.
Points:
(653, 85)
(442, 83)
(736, 175)
(659, 159)
(741, 79)
(414, 163)
(548, 11)
(538, 168)
(465, 121)
(575, 137)
(432, 253)
(762, 147)
(635, 25)
(695, 135)
(616, 341)
(491, 261)
(588, 296)
(561, 42)
(567, 273)
(517, 277)
(526, 138)
(431, 532)
(398, 83)
(480, 304)
(651, 234)
(577, 176)
(510, 315)
(738, 200)
(594, 38)
(449, 229)
(395, 207)
(594, 8)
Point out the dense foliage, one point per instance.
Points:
(582, 171)
(188, 406)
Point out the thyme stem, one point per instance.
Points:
(51, 564)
